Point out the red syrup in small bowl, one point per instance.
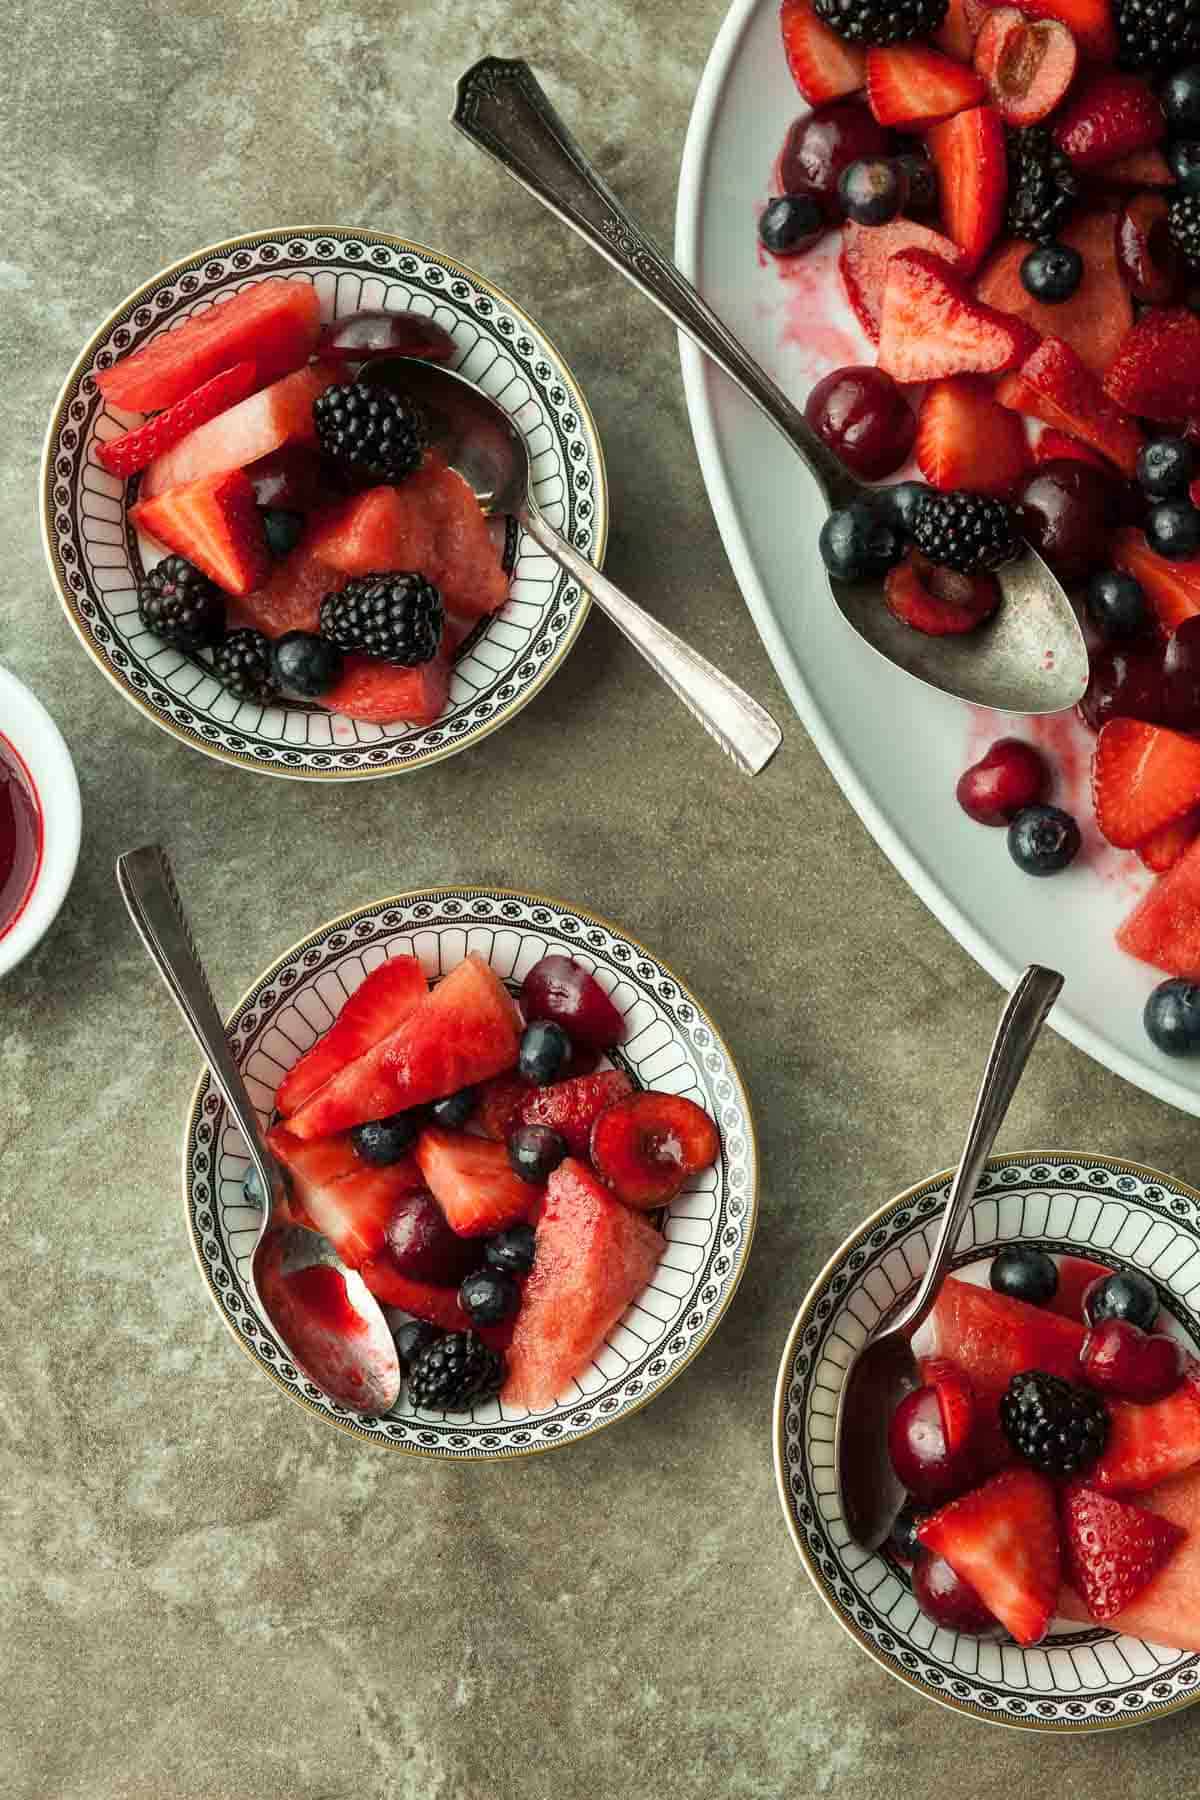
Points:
(20, 836)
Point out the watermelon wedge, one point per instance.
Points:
(1096, 318)
(1151, 1443)
(290, 598)
(377, 1005)
(387, 695)
(215, 523)
(1167, 1612)
(593, 1257)
(273, 324)
(992, 1338)
(1164, 928)
(466, 1029)
(277, 415)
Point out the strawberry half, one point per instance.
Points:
(216, 524)
(939, 602)
(1172, 588)
(1028, 64)
(572, 1107)
(1099, 313)
(865, 254)
(1109, 115)
(1113, 1550)
(472, 1182)
(1143, 777)
(125, 455)
(932, 326)
(823, 65)
(910, 85)
(376, 1007)
(1163, 848)
(966, 439)
(1003, 1538)
(969, 155)
(1058, 446)
(348, 1200)
(1156, 371)
(1053, 385)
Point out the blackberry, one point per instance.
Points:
(964, 531)
(450, 1374)
(242, 663)
(1053, 1425)
(1042, 185)
(1157, 34)
(371, 428)
(181, 606)
(396, 617)
(882, 21)
(1183, 225)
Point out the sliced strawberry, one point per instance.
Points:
(125, 455)
(1172, 588)
(275, 418)
(1156, 371)
(472, 1181)
(966, 439)
(1003, 1538)
(1113, 1550)
(1090, 23)
(957, 32)
(498, 1106)
(1143, 777)
(428, 1300)
(865, 254)
(1164, 928)
(932, 326)
(347, 1200)
(1098, 314)
(939, 602)
(1109, 115)
(1028, 64)
(969, 154)
(1149, 1443)
(376, 1006)
(1140, 169)
(1052, 384)
(823, 65)
(910, 85)
(1059, 446)
(215, 523)
(1163, 848)
(572, 1107)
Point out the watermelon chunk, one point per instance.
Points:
(1164, 928)
(387, 695)
(290, 598)
(215, 523)
(382, 529)
(1100, 312)
(277, 415)
(992, 1338)
(377, 1005)
(273, 324)
(1150, 1443)
(466, 1029)
(1166, 1612)
(593, 1257)
(473, 1182)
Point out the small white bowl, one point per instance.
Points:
(46, 762)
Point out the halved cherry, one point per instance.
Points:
(1145, 254)
(646, 1147)
(1028, 64)
(940, 602)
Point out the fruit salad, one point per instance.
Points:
(1016, 189)
(499, 1191)
(1051, 1456)
(319, 551)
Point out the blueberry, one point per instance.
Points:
(545, 1051)
(903, 1539)
(1043, 839)
(1024, 1272)
(1173, 529)
(872, 191)
(1125, 1295)
(534, 1152)
(252, 1192)
(1172, 1018)
(791, 224)
(383, 1141)
(511, 1250)
(489, 1296)
(1180, 95)
(283, 529)
(412, 1337)
(454, 1111)
(921, 177)
(1165, 467)
(859, 544)
(306, 664)
(1116, 604)
(898, 504)
(1052, 273)
(1183, 157)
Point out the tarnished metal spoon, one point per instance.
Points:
(1030, 657)
(885, 1369)
(329, 1322)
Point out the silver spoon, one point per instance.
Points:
(347, 1351)
(885, 1369)
(478, 438)
(1029, 658)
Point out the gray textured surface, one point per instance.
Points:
(203, 1594)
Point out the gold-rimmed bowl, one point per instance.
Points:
(1121, 1214)
(97, 562)
(670, 1044)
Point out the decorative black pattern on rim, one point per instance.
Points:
(670, 1044)
(96, 564)
(1081, 1678)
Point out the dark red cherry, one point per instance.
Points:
(291, 479)
(1068, 510)
(1145, 254)
(949, 1600)
(823, 143)
(362, 335)
(421, 1245)
(1009, 777)
(864, 418)
(1157, 682)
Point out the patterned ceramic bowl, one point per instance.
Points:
(96, 560)
(1118, 1213)
(670, 1044)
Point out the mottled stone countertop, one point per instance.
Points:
(204, 1593)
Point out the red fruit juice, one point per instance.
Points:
(20, 836)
